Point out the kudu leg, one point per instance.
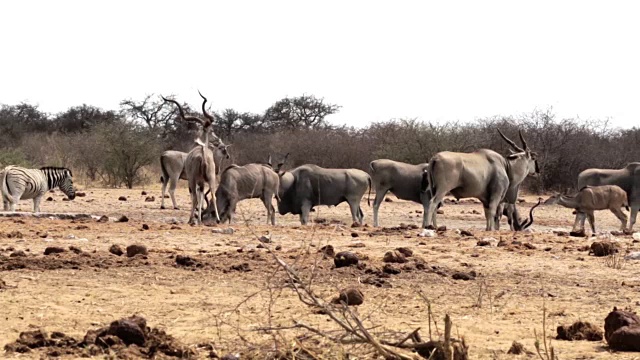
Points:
(194, 205)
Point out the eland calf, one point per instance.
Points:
(591, 198)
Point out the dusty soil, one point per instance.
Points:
(197, 285)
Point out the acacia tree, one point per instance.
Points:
(302, 112)
(83, 117)
(154, 113)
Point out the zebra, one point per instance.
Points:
(20, 183)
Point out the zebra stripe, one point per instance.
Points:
(20, 183)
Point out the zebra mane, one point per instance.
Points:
(57, 168)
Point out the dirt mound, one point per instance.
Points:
(394, 257)
(579, 331)
(603, 248)
(622, 330)
(187, 261)
(350, 296)
(345, 258)
(69, 260)
(126, 338)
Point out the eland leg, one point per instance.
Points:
(304, 214)
(632, 216)
(621, 216)
(432, 208)
(376, 205)
(592, 222)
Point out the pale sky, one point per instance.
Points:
(433, 60)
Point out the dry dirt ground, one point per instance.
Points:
(223, 301)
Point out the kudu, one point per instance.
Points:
(199, 164)
(483, 174)
(172, 165)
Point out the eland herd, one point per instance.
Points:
(484, 174)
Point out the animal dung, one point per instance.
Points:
(394, 257)
(345, 258)
(603, 248)
(53, 250)
(350, 296)
(116, 250)
(427, 233)
(622, 330)
(580, 330)
(135, 249)
(150, 199)
(122, 198)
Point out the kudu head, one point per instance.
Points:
(205, 122)
(279, 165)
(522, 159)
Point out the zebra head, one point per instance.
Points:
(62, 178)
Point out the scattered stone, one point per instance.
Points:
(116, 250)
(603, 248)
(354, 234)
(53, 250)
(622, 330)
(143, 193)
(187, 261)
(358, 244)
(517, 349)
(75, 249)
(122, 198)
(150, 199)
(466, 233)
(636, 236)
(350, 296)
(80, 194)
(579, 331)
(328, 251)
(49, 198)
(145, 227)
(394, 257)
(633, 256)
(231, 357)
(227, 231)
(427, 233)
(103, 219)
(129, 331)
(483, 242)
(376, 281)
(441, 229)
(18, 253)
(345, 258)
(123, 219)
(135, 249)
(278, 247)
(390, 269)
(244, 267)
(265, 239)
(405, 251)
(464, 276)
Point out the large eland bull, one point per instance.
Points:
(309, 185)
(483, 174)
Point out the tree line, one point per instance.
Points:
(122, 147)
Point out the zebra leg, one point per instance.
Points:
(36, 203)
